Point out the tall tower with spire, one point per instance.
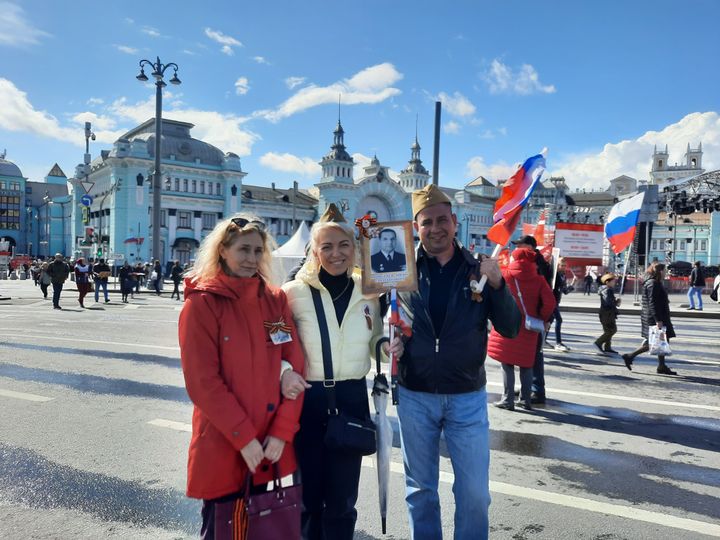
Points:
(337, 165)
(415, 175)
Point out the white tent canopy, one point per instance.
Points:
(290, 253)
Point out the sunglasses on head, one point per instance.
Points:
(242, 222)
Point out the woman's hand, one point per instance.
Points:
(253, 454)
(659, 325)
(292, 384)
(397, 347)
(273, 448)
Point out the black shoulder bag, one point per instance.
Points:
(344, 433)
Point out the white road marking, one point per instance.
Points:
(23, 395)
(590, 505)
(171, 424)
(81, 340)
(132, 306)
(625, 398)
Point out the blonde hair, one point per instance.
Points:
(208, 263)
(312, 264)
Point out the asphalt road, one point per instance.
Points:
(95, 416)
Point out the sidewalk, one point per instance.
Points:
(25, 288)
(577, 302)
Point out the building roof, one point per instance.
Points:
(252, 193)
(39, 189)
(176, 141)
(590, 198)
(57, 171)
(8, 168)
(481, 181)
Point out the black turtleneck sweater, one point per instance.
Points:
(340, 289)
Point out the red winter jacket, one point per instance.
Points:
(539, 302)
(232, 375)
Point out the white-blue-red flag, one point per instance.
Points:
(515, 194)
(622, 222)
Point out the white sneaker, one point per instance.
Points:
(561, 347)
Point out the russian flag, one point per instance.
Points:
(515, 193)
(622, 221)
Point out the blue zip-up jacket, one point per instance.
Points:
(451, 359)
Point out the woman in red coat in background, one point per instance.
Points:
(234, 331)
(520, 351)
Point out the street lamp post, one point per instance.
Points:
(158, 72)
(47, 199)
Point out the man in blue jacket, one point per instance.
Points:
(442, 373)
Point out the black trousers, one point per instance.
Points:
(57, 289)
(176, 290)
(330, 479)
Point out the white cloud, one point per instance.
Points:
(371, 85)
(633, 157)
(129, 20)
(15, 29)
(95, 101)
(292, 82)
(226, 131)
(227, 42)
(188, 52)
(261, 60)
(525, 81)
(125, 49)
(150, 31)
(457, 104)
(451, 127)
(500, 170)
(242, 86)
(289, 163)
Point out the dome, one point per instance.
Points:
(8, 168)
(176, 141)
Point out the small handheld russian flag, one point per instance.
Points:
(622, 222)
(515, 194)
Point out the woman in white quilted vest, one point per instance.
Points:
(330, 477)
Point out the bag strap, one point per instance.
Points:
(517, 286)
(329, 382)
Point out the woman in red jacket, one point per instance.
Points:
(234, 331)
(528, 288)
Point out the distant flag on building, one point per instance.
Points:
(622, 222)
(515, 194)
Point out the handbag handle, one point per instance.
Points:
(328, 382)
(517, 286)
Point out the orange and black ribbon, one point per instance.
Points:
(364, 223)
(275, 327)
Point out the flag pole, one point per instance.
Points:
(627, 259)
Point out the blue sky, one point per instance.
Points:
(598, 84)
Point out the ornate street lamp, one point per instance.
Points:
(158, 72)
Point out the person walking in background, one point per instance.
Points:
(158, 276)
(330, 476)
(44, 279)
(127, 281)
(442, 380)
(655, 311)
(101, 273)
(235, 329)
(608, 313)
(58, 270)
(176, 274)
(82, 280)
(588, 281)
(535, 298)
(560, 287)
(716, 288)
(696, 281)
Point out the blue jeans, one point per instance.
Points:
(463, 419)
(103, 284)
(695, 291)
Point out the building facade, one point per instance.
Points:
(662, 172)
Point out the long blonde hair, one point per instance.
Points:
(312, 264)
(208, 263)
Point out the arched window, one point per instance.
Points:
(693, 163)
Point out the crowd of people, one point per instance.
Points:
(270, 370)
(93, 275)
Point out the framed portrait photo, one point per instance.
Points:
(388, 258)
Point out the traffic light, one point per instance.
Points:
(99, 253)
